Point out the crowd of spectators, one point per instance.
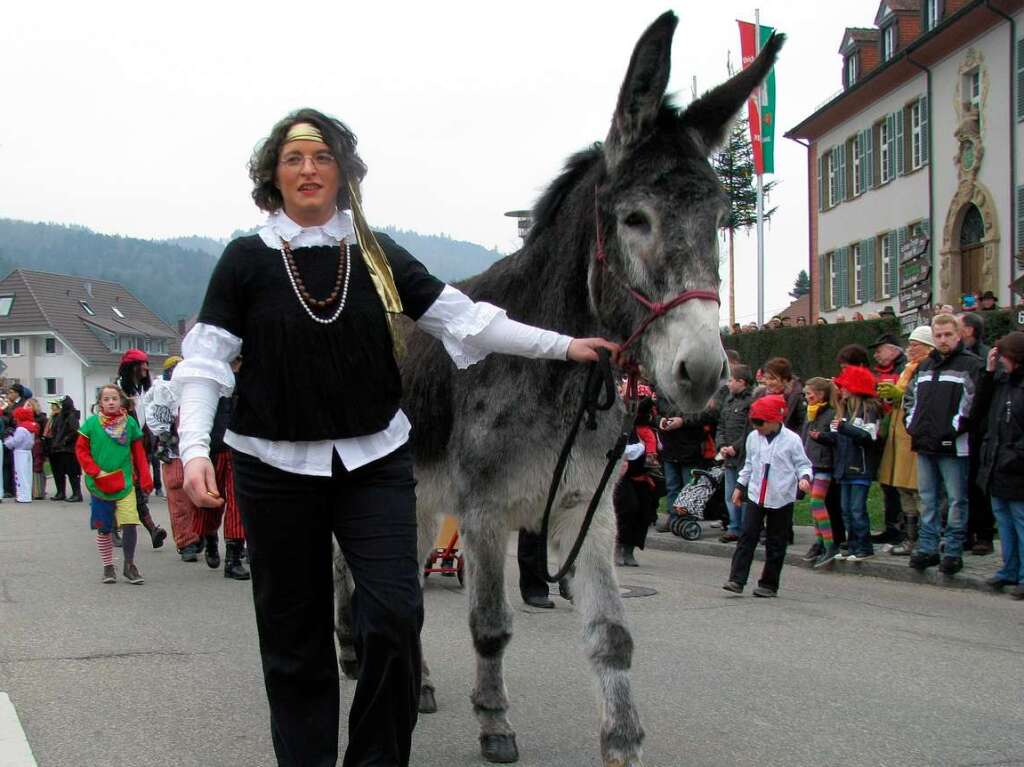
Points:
(936, 420)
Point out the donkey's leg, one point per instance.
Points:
(347, 660)
(490, 623)
(606, 636)
(426, 532)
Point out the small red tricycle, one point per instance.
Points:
(446, 558)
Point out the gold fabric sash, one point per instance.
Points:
(377, 264)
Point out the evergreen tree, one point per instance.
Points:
(802, 286)
(734, 164)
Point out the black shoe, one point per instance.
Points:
(921, 561)
(212, 554)
(998, 584)
(157, 535)
(827, 556)
(233, 567)
(75, 498)
(540, 600)
(58, 497)
(565, 588)
(764, 592)
(813, 553)
(733, 586)
(982, 548)
(951, 565)
(1017, 592)
(190, 553)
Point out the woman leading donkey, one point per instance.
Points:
(310, 301)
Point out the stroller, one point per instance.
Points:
(705, 493)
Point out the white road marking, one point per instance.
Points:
(14, 748)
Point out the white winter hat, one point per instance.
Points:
(923, 335)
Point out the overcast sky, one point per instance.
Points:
(138, 119)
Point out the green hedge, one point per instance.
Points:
(812, 349)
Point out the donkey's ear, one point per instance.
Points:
(710, 116)
(643, 89)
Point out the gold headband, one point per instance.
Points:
(303, 132)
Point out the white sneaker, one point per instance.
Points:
(840, 557)
(859, 557)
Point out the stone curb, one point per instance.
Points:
(874, 568)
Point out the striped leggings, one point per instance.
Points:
(819, 514)
(207, 521)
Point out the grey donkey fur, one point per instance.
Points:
(486, 438)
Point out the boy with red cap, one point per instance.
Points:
(775, 468)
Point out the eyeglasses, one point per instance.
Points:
(320, 160)
(757, 421)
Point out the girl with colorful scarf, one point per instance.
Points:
(110, 450)
(820, 396)
(21, 443)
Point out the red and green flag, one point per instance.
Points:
(762, 122)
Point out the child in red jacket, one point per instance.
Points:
(109, 448)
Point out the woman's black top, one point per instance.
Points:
(302, 380)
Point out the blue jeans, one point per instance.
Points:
(731, 476)
(855, 517)
(1010, 518)
(935, 472)
(677, 476)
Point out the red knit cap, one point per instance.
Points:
(771, 409)
(26, 418)
(856, 380)
(134, 355)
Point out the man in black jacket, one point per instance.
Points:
(981, 526)
(939, 405)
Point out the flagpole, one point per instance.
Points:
(760, 184)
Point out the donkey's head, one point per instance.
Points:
(660, 206)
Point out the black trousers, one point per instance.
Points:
(66, 470)
(777, 523)
(893, 508)
(8, 472)
(289, 520)
(834, 507)
(531, 559)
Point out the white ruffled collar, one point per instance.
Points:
(279, 228)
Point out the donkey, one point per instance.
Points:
(485, 437)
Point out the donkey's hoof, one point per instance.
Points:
(499, 748)
(428, 703)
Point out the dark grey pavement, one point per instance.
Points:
(882, 565)
(838, 670)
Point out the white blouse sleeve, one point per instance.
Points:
(471, 330)
(200, 381)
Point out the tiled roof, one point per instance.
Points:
(46, 301)
(897, 6)
(859, 35)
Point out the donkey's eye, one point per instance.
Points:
(637, 220)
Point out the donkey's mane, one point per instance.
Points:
(576, 168)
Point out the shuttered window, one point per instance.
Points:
(897, 119)
(843, 269)
(824, 302)
(836, 292)
(1020, 79)
(1020, 220)
(822, 160)
(867, 268)
(868, 142)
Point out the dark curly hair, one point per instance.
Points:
(340, 140)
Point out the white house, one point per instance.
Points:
(65, 335)
(914, 175)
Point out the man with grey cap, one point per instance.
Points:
(899, 462)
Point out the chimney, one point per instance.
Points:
(181, 327)
(88, 289)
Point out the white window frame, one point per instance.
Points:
(859, 292)
(972, 84)
(833, 277)
(888, 42)
(883, 152)
(858, 164)
(46, 342)
(10, 346)
(6, 304)
(46, 386)
(117, 311)
(833, 181)
(887, 264)
(851, 69)
(916, 135)
(932, 9)
(86, 308)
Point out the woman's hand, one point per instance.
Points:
(993, 360)
(201, 483)
(737, 497)
(585, 349)
(804, 485)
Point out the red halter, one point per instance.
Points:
(654, 309)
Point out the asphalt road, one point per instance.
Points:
(838, 670)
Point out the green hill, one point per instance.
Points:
(170, 276)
